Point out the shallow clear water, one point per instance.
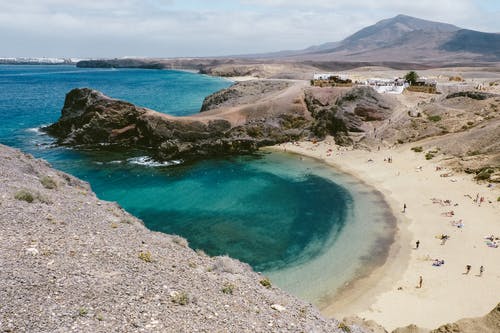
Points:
(311, 229)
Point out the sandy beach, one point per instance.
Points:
(390, 295)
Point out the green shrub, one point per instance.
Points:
(498, 199)
(434, 118)
(145, 256)
(429, 156)
(228, 288)
(411, 77)
(484, 174)
(266, 282)
(24, 195)
(48, 182)
(344, 327)
(181, 298)
(417, 149)
(82, 312)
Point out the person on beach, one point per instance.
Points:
(420, 281)
(467, 269)
(417, 244)
(404, 208)
(481, 270)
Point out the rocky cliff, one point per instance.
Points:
(340, 111)
(94, 120)
(236, 120)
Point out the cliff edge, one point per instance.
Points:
(275, 115)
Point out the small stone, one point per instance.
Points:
(277, 307)
(33, 251)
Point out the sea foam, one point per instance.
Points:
(150, 162)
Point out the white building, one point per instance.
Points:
(387, 86)
(326, 76)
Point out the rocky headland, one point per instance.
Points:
(236, 120)
(275, 115)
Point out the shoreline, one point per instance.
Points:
(442, 298)
(326, 273)
(384, 257)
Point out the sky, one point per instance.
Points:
(195, 28)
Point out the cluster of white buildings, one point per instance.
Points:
(36, 60)
(387, 86)
(327, 76)
(382, 86)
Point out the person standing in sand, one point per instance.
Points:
(467, 269)
(420, 281)
(404, 208)
(481, 270)
(417, 244)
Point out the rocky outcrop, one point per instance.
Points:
(346, 110)
(245, 92)
(73, 263)
(94, 120)
(196, 64)
(478, 95)
(487, 324)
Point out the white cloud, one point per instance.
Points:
(95, 28)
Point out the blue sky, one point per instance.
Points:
(172, 28)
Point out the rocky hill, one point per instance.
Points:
(94, 120)
(406, 39)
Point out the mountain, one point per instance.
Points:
(406, 39)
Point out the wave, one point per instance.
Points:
(150, 162)
(37, 130)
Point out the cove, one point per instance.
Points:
(308, 227)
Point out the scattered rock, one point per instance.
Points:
(277, 307)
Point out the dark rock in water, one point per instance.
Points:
(91, 119)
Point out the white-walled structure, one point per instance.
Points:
(326, 76)
(387, 86)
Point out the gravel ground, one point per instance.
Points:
(70, 262)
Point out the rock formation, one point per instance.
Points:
(94, 120)
(338, 111)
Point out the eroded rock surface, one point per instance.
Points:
(94, 120)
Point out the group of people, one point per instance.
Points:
(479, 200)
(492, 241)
(468, 268)
(438, 262)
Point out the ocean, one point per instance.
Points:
(308, 227)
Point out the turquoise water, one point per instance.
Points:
(291, 218)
